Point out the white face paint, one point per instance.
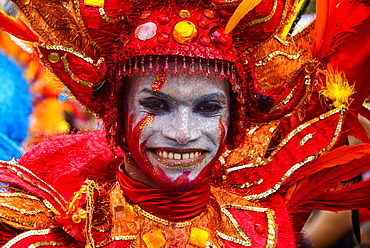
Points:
(176, 126)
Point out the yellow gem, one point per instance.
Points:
(125, 213)
(53, 57)
(184, 14)
(198, 237)
(185, 32)
(94, 3)
(154, 239)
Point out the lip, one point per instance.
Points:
(182, 162)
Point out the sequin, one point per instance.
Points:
(185, 32)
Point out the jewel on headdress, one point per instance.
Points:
(130, 72)
(175, 71)
(215, 69)
(205, 41)
(145, 15)
(208, 70)
(185, 32)
(166, 66)
(119, 71)
(209, 13)
(220, 39)
(94, 3)
(184, 14)
(150, 66)
(136, 69)
(25, 2)
(203, 23)
(124, 70)
(192, 67)
(53, 57)
(184, 67)
(163, 38)
(200, 67)
(228, 73)
(142, 69)
(222, 73)
(146, 31)
(233, 76)
(163, 19)
(157, 68)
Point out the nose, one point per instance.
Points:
(182, 128)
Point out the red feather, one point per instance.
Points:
(329, 159)
(17, 28)
(334, 19)
(312, 186)
(357, 129)
(365, 112)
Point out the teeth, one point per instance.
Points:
(179, 156)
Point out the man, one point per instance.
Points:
(184, 158)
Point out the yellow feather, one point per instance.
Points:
(337, 88)
(244, 7)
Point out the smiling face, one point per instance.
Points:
(176, 126)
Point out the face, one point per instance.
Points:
(176, 126)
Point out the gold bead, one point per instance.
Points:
(53, 57)
(185, 32)
(184, 14)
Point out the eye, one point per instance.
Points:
(155, 106)
(208, 108)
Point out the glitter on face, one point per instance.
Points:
(178, 126)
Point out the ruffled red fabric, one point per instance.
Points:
(169, 205)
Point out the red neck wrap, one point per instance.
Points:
(173, 206)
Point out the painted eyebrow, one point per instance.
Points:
(200, 98)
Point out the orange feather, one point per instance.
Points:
(16, 27)
(244, 7)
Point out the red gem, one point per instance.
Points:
(205, 41)
(163, 19)
(220, 39)
(260, 229)
(163, 38)
(203, 23)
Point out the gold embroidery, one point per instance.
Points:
(118, 238)
(22, 210)
(246, 185)
(109, 19)
(271, 237)
(71, 74)
(274, 54)
(308, 159)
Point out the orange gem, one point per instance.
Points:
(154, 239)
(209, 13)
(145, 15)
(198, 237)
(185, 32)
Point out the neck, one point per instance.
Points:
(134, 172)
(173, 206)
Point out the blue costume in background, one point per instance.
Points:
(15, 108)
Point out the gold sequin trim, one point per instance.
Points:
(246, 241)
(107, 18)
(269, 57)
(14, 166)
(117, 238)
(50, 207)
(291, 94)
(308, 159)
(91, 187)
(263, 19)
(71, 74)
(306, 138)
(16, 220)
(22, 210)
(165, 222)
(25, 235)
(74, 52)
(246, 185)
(21, 195)
(45, 243)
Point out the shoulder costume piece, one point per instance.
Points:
(70, 191)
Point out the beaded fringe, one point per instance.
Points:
(189, 65)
